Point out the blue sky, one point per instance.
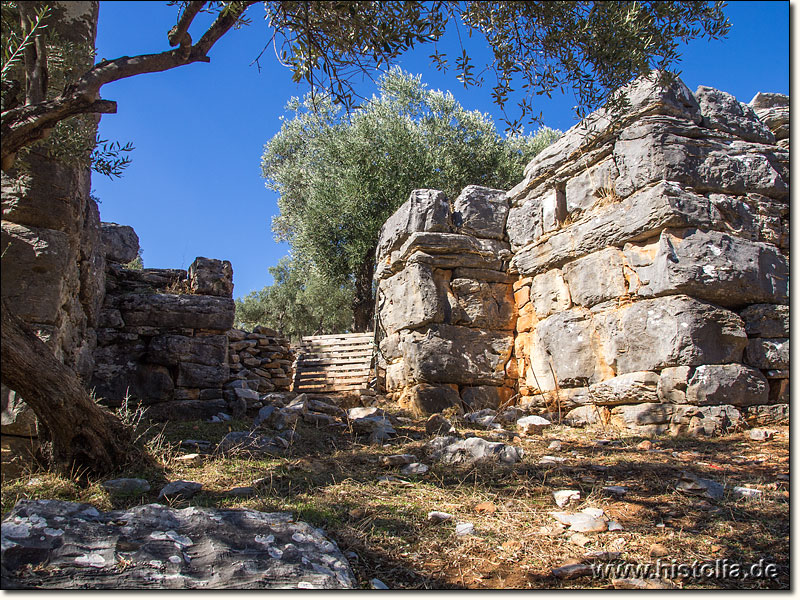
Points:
(195, 186)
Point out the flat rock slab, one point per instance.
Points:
(74, 546)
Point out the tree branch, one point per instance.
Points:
(24, 125)
(179, 35)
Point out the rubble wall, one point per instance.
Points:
(650, 272)
(165, 340)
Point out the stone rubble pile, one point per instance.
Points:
(638, 274)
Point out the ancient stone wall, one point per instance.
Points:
(165, 339)
(650, 268)
(445, 307)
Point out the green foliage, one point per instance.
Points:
(341, 176)
(299, 303)
(538, 46)
(72, 141)
(137, 264)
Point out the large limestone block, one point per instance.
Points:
(723, 112)
(753, 217)
(120, 242)
(767, 353)
(524, 223)
(425, 210)
(733, 384)
(647, 95)
(482, 305)
(658, 148)
(446, 251)
(549, 293)
(647, 419)
(168, 349)
(766, 320)
(159, 547)
(211, 277)
(672, 331)
(714, 266)
(481, 211)
(192, 375)
(412, 298)
(486, 396)
(563, 342)
(177, 311)
(596, 278)
(672, 384)
(629, 388)
(585, 189)
(51, 196)
(773, 110)
(36, 263)
(704, 420)
(452, 354)
(427, 399)
(145, 383)
(638, 217)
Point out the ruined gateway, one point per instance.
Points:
(638, 274)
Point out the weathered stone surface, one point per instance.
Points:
(426, 399)
(524, 223)
(646, 95)
(533, 425)
(717, 267)
(17, 417)
(412, 299)
(768, 414)
(474, 449)
(201, 376)
(704, 420)
(485, 396)
(672, 331)
(481, 211)
(629, 388)
(690, 483)
(425, 210)
(639, 216)
(177, 311)
(451, 354)
(773, 110)
(146, 383)
(766, 320)
(596, 278)
(672, 384)
(585, 189)
(723, 112)
(651, 413)
(165, 548)
(562, 342)
(35, 261)
(767, 353)
(587, 415)
(482, 305)
(727, 384)
(211, 277)
(661, 148)
(180, 490)
(549, 293)
(120, 242)
(126, 486)
(168, 349)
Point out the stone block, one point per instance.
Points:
(425, 210)
(705, 420)
(482, 305)
(211, 277)
(650, 413)
(767, 353)
(426, 399)
(452, 354)
(201, 376)
(767, 414)
(672, 384)
(412, 298)
(587, 187)
(733, 384)
(773, 110)
(766, 320)
(596, 278)
(485, 396)
(779, 391)
(714, 266)
(636, 218)
(481, 211)
(177, 311)
(672, 331)
(723, 112)
(549, 293)
(120, 242)
(17, 418)
(562, 343)
(524, 223)
(168, 349)
(629, 388)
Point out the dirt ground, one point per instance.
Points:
(335, 480)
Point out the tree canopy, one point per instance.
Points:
(340, 176)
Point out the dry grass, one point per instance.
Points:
(330, 479)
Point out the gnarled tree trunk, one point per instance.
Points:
(82, 435)
(363, 299)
